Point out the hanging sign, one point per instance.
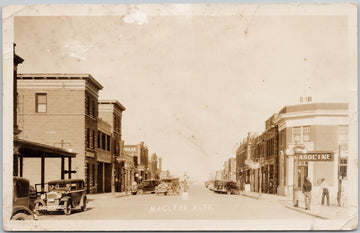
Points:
(316, 156)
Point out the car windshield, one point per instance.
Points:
(55, 186)
(232, 185)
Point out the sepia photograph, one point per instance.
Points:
(180, 117)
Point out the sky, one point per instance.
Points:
(193, 85)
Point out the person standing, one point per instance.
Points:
(340, 192)
(306, 189)
(325, 191)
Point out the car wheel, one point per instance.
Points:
(67, 209)
(38, 205)
(84, 206)
(140, 192)
(22, 216)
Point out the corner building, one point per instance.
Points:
(318, 129)
(60, 110)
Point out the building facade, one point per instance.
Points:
(304, 140)
(313, 142)
(111, 111)
(60, 110)
(140, 154)
(154, 167)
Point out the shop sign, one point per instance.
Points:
(316, 156)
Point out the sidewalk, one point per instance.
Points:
(264, 196)
(323, 211)
(316, 210)
(109, 194)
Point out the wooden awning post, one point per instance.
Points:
(43, 171)
(62, 167)
(69, 167)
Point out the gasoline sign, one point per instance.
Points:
(316, 156)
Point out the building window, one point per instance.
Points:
(297, 134)
(343, 167)
(93, 109)
(88, 138)
(93, 175)
(93, 140)
(108, 143)
(103, 140)
(343, 133)
(99, 140)
(302, 134)
(87, 105)
(306, 134)
(40, 102)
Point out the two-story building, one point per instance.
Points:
(313, 142)
(60, 110)
(111, 111)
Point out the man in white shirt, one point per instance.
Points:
(325, 191)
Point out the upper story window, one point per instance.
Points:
(41, 102)
(302, 134)
(343, 133)
(306, 134)
(297, 134)
(87, 105)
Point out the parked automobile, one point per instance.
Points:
(214, 185)
(147, 186)
(21, 204)
(62, 195)
(227, 187)
(162, 188)
(173, 186)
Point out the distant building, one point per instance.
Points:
(164, 174)
(111, 112)
(232, 169)
(128, 176)
(141, 159)
(154, 167)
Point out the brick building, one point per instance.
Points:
(111, 111)
(140, 153)
(308, 139)
(60, 110)
(154, 167)
(320, 130)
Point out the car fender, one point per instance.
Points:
(39, 201)
(22, 209)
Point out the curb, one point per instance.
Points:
(247, 195)
(302, 211)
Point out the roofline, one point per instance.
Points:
(312, 103)
(61, 76)
(45, 147)
(115, 102)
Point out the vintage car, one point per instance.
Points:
(172, 186)
(147, 186)
(162, 188)
(227, 187)
(62, 195)
(21, 204)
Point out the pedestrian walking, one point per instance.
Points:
(306, 189)
(325, 191)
